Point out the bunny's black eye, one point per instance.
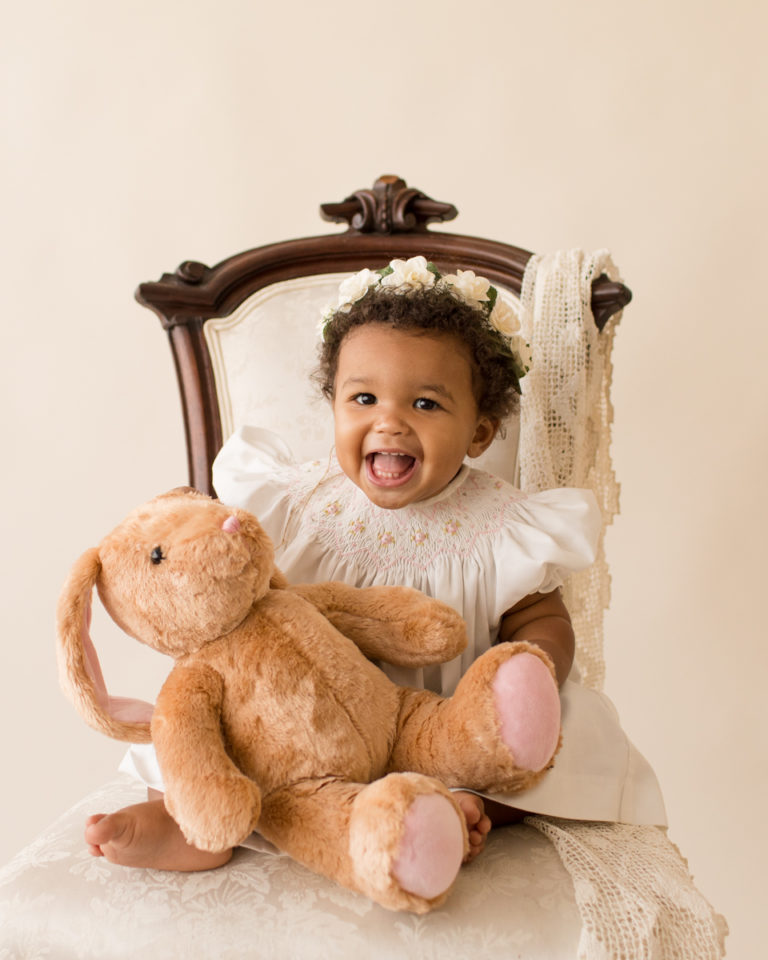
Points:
(157, 555)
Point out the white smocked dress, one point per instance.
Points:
(479, 545)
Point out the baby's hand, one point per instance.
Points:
(478, 824)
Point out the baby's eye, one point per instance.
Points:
(424, 403)
(364, 399)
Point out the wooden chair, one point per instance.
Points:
(243, 335)
(204, 309)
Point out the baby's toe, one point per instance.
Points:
(483, 825)
(107, 835)
(471, 806)
(476, 845)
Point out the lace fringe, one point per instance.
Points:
(565, 429)
(636, 897)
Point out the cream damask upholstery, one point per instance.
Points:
(58, 902)
(263, 355)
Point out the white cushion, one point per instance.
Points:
(56, 900)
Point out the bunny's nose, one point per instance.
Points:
(231, 524)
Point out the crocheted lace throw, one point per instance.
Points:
(634, 892)
(565, 429)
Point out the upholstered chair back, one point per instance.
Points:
(263, 355)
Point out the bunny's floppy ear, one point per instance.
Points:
(79, 670)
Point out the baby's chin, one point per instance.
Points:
(390, 501)
(395, 497)
(388, 498)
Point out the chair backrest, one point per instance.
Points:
(244, 332)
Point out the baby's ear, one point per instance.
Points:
(485, 431)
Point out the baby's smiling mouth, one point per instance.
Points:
(390, 468)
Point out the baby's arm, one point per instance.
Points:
(542, 619)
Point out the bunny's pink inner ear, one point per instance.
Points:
(130, 710)
(125, 709)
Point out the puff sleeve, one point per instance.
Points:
(254, 470)
(545, 537)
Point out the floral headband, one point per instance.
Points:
(409, 276)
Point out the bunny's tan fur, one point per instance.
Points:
(274, 716)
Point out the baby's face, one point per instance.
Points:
(405, 414)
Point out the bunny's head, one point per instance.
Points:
(176, 574)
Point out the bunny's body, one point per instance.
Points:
(275, 718)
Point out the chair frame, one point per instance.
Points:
(388, 221)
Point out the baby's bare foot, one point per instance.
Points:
(145, 835)
(478, 824)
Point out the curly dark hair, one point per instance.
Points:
(435, 311)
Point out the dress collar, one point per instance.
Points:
(447, 491)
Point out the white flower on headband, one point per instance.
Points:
(504, 319)
(469, 286)
(410, 276)
(326, 315)
(354, 288)
(413, 274)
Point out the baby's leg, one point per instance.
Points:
(145, 835)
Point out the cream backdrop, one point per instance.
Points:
(139, 134)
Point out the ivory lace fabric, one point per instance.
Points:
(636, 896)
(565, 429)
(634, 892)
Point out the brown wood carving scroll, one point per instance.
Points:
(391, 206)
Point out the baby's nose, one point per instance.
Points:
(391, 422)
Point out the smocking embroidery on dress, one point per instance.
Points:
(341, 517)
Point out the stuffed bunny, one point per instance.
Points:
(274, 717)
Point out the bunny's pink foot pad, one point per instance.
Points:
(432, 847)
(528, 705)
